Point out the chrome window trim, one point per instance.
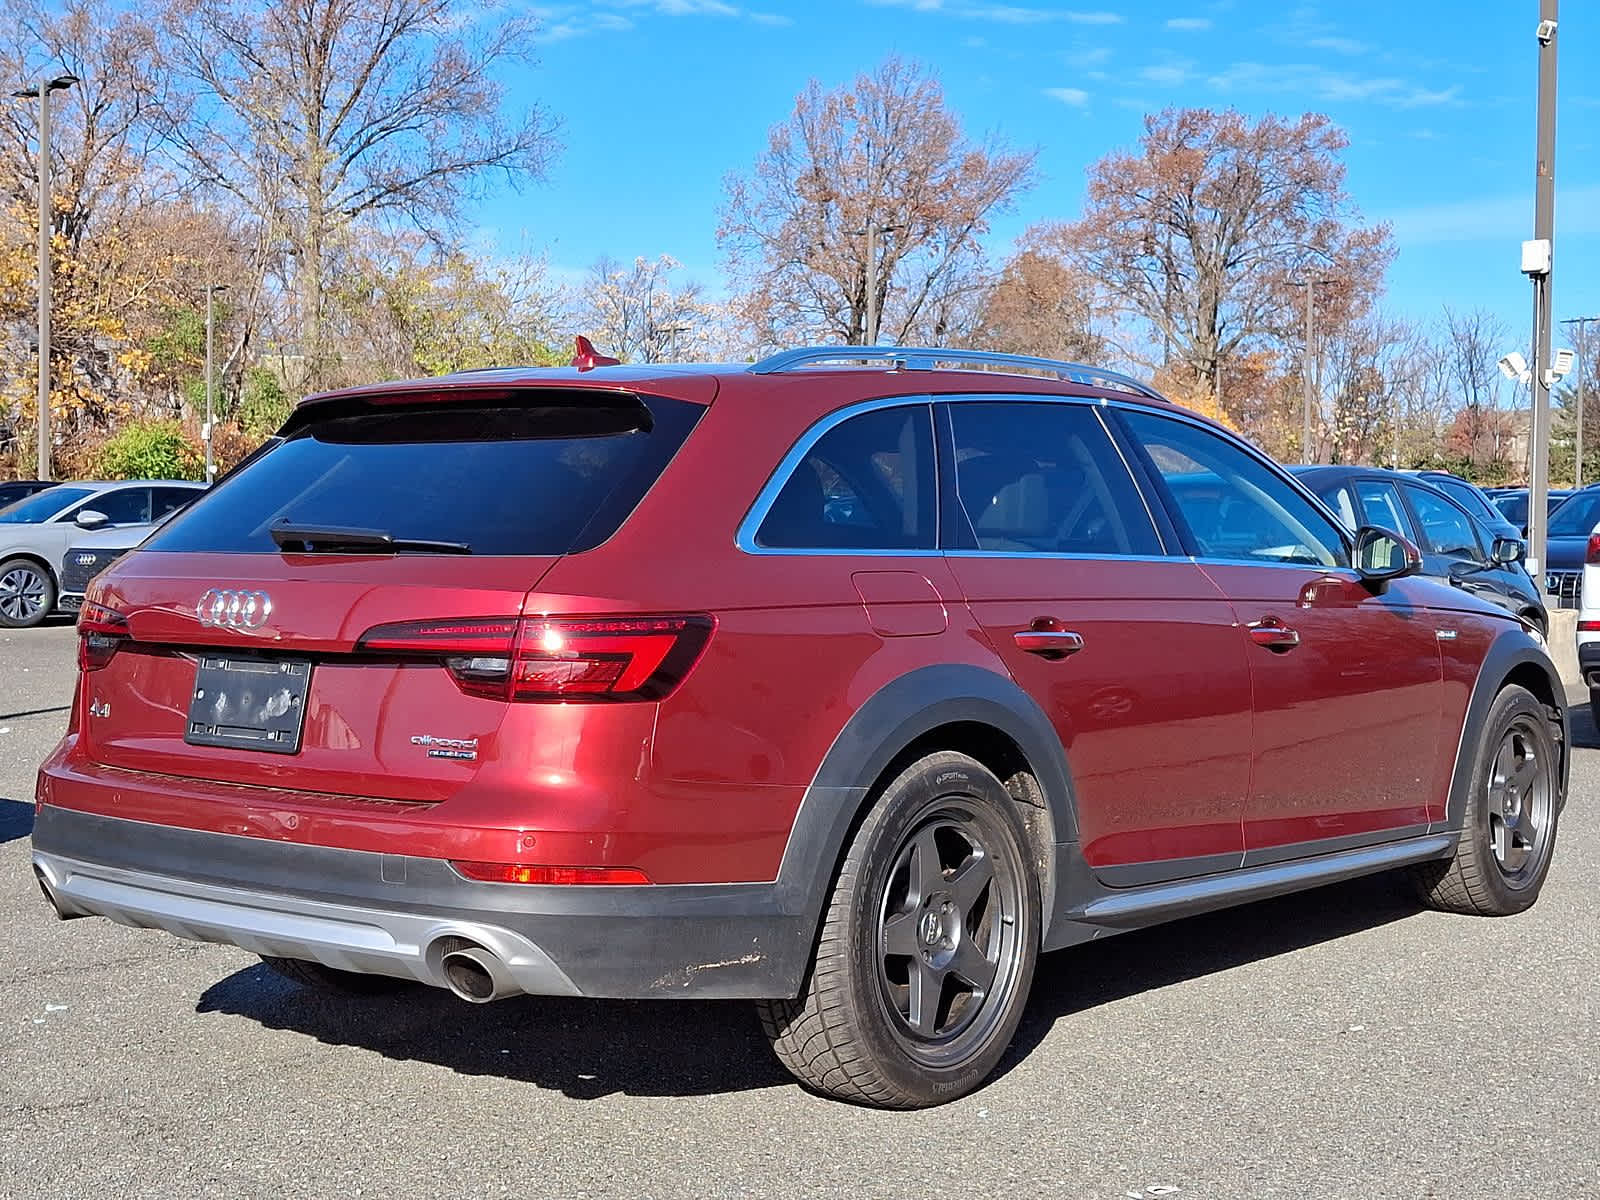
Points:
(1227, 435)
(745, 536)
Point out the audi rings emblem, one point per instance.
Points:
(223, 608)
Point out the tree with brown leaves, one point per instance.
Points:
(883, 154)
(1202, 232)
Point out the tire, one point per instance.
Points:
(1508, 834)
(27, 593)
(939, 869)
(334, 981)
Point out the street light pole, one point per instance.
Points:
(211, 304)
(1538, 259)
(42, 94)
(1306, 451)
(1583, 324)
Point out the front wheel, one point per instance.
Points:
(927, 947)
(27, 594)
(1509, 831)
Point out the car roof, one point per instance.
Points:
(791, 390)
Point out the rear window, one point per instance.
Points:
(552, 474)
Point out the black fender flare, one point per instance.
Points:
(894, 717)
(1511, 650)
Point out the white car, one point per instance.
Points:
(36, 533)
(1589, 623)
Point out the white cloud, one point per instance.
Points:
(1166, 75)
(1076, 97)
(775, 20)
(1189, 24)
(1339, 45)
(1004, 14)
(1504, 218)
(1322, 83)
(1089, 56)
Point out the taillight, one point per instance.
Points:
(488, 872)
(100, 631)
(553, 658)
(1592, 555)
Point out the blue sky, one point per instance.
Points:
(659, 99)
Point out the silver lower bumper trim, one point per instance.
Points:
(371, 940)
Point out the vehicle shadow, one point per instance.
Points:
(16, 820)
(588, 1049)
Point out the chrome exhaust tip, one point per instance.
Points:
(475, 975)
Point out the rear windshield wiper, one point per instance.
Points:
(310, 539)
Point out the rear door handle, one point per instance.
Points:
(1273, 634)
(1048, 643)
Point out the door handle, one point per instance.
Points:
(1048, 643)
(1273, 634)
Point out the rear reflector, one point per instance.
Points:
(552, 658)
(486, 872)
(100, 631)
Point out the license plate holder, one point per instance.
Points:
(246, 702)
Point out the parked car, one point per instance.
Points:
(12, 490)
(96, 551)
(1567, 543)
(1514, 504)
(1455, 546)
(36, 533)
(847, 692)
(1474, 499)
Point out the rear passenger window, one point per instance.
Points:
(868, 484)
(1035, 477)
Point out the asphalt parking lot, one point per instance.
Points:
(1341, 1043)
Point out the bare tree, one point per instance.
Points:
(319, 114)
(636, 314)
(1471, 345)
(880, 163)
(1201, 232)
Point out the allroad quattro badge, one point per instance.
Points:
(465, 749)
(224, 608)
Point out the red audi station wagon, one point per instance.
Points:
(846, 683)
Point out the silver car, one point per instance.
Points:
(36, 534)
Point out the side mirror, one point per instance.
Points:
(1507, 551)
(1382, 555)
(87, 518)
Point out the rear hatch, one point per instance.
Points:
(339, 615)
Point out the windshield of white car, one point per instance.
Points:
(41, 506)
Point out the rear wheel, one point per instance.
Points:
(27, 593)
(1509, 832)
(927, 947)
(331, 979)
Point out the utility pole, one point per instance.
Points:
(211, 305)
(872, 230)
(1583, 324)
(46, 220)
(1307, 451)
(1537, 262)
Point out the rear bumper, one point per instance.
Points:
(1589, 663)
(398, 915)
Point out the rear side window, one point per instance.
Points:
(125, 506)
(1046, 479)
(1382, 506)
(867, 484)
(537, 474)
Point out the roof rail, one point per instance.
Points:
(925, 358)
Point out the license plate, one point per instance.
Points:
(248, 703)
